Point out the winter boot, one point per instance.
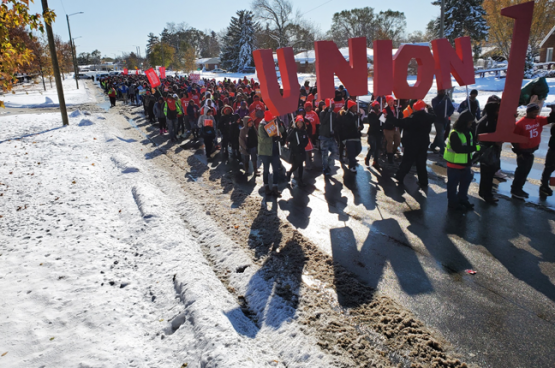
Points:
(276, 192)
(267, 190)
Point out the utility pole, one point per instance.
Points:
(442, 20)
(55, 66)
(73, 50)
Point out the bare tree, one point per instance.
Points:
(276, 13)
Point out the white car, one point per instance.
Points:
(218, 71)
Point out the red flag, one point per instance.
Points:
(309, 146)
(152, 78)
(125, 71)
(163, 72)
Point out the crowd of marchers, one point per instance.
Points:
(232, 118)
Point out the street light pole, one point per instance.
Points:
(442, 20)
(72, 49)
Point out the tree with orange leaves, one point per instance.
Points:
(14, 54)
(501, 28)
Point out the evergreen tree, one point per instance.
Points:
(463, 18)
(529, 63)
(246, 41)
(152, 40)
(231, 43)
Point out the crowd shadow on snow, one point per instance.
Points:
(32, 134)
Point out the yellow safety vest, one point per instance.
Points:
(454, 157)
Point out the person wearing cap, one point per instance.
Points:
(531, 127)
(312, 129)
(375, 134)
(328, 146)
(268, 151)
(256, 104)
(416, 139)
(297, 138)
(489, 162)
(474, 106)
(172, 109)
(248, 145)
(391, 133)
(443, 108)
(458, 154)
(350, 133)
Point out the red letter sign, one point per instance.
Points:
(162, 72)
(522, 14)
(152, 78)
(383, 67)
(459, 62)
(125, 71)
(353, 74)
(269, 86)
(425, 74)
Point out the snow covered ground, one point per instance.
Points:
(34, 96)
(99, 270)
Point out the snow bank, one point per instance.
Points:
(34, 96)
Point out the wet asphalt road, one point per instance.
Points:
(406, 243)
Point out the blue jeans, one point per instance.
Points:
(172, 128)
(327, 146)
(375, 142)
(458, 179)
(267, 161)
(353, 149)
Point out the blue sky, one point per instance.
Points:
(117, 26)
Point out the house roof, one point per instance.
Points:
(547, 37)
(214, 60)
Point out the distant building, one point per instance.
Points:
(208, 63)
(546, 47)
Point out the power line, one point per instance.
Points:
(319, 6)
(63, 7)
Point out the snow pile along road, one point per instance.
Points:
(98, 268)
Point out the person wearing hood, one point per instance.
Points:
(297, 140)
(159, 113)
(224, 127)
(351, 128)
(416, 139)
(268, 151)
(488, 168)
(248, 143)
(461, 144)
(243, 110)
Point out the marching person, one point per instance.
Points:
(458, 154)
(491, 151)
(530, 126)
(248, 143)
(350, 133)
(298, 140)
(545, 190)
(328, 146)
(160, 115)
(208, 131)
(391, 132)
(112, 95)
(375, 135)
(416, 139)
(268, 151)
(443, 109)
(172, 109)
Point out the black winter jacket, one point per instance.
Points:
(416, 129)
